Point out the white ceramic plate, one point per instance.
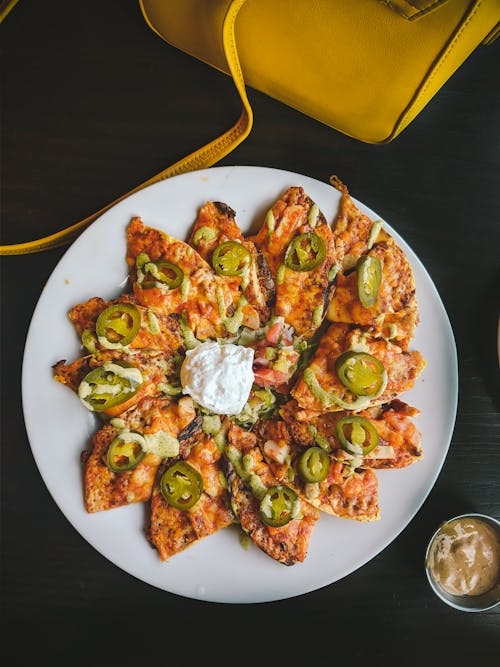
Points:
(217, 568)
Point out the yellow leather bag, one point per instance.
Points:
(363, 67)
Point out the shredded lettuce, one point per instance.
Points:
(261, 404)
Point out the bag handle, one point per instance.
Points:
(202, 158)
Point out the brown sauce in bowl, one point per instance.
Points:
(464, 557)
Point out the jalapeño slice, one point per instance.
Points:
(355, 434)
(231, 258)
(125, 452)
(278, 506)
(181, 485)
(162, 274)
(109, 385)
(313, 465)
(361, 373)
(118, 325)
(305, 252)
(369, 270)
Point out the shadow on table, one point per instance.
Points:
(487, 334)
(443, 503)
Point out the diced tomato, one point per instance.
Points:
(267, 377)
(274, 333)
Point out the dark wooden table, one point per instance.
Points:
(93, 104)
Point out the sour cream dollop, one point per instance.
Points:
(218, 377)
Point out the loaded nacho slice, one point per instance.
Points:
(218, 239)
(318, 476)
(380, 437)
(374, 286)
(352, 370)
(189, 499)
(121, 467)
(113, 381)
(298, 245)
(354, 233)
(123, 324)
(169, 276)
(378, 293)
(269, 511)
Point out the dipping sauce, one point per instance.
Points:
(464, 557)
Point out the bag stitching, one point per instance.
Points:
(420, 12)
(436, 69)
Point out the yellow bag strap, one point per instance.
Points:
(200, 159)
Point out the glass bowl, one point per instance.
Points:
(481, 602)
